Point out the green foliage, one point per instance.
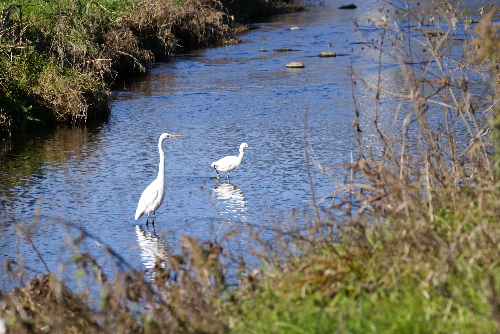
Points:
(19, 113)
(404, 311)
(178, 3)
(386, 283)
(18, 76)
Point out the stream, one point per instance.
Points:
(57, 184)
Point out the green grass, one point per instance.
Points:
(392, 277)
(406, 310)
(372, 291)
(41, 60)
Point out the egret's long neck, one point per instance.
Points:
(161, 167)
(242, 153)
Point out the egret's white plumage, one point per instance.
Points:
(153, 195)
(227, 164)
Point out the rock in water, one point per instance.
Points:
(327, 54)
(295, 64)
(351, 6)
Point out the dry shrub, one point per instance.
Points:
(421, 206)
(179, 295)
(440, 151)
(431, 183)
(485, 50)
(122, 46)
(47, 70)
(157, 29)
(90, 45)
(65, 35)
(47, 306)
(181, 298)
(66, 96)
(145, 33)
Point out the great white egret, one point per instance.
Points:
(227, 164)
(152, 196)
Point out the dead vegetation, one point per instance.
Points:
(152, 31)
(179, 298)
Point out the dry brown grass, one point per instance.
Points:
(46, 305)
(179, 297)
(155, 30)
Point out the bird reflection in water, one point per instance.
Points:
(230, 202)
(231, 198)
(153, 248)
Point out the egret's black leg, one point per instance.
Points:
(147, 222)
(228, 175)
(217, 174)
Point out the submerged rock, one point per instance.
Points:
(327, 54)
(284, 50)
(294, 28)
(430, 33)
(470, 21)
(232, 41)
(351, 6)
(295, 64)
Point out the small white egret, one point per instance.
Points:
(152, 196)
(227, 164)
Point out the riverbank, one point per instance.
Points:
(57, 60)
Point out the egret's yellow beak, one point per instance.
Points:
(176, 136)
